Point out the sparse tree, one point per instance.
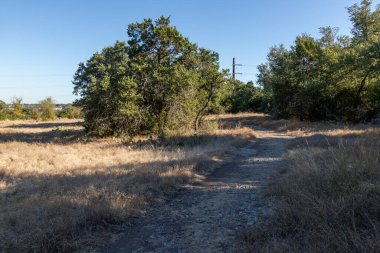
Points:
(47, 109)
(17, 108)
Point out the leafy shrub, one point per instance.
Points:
(247, 98)
(47, 108)
(17, 111)
(71, 112)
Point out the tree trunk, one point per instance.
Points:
(361, 87)
(201, 111)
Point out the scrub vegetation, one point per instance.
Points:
(152, 117)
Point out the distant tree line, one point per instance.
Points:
(158, 81)
(44, 110)
(330, 78)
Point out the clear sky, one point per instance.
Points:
(42, 42)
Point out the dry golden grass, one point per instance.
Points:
(292, 127)
(57, 185)
(327, 196)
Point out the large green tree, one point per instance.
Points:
(156, 82)
(333, 77)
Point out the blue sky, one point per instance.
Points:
(42, 42)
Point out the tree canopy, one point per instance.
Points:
(332, 77)
(158, 81)
(155, 82)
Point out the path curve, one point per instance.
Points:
(207, 216)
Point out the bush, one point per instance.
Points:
(71, 112)
(36, 114)
(46, 109)
(17, 111)
(247, 98)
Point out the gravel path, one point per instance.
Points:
(207, 216)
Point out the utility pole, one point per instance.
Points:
(234, 68)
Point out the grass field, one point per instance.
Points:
(60, 189)
(326, 196)
(57, 186)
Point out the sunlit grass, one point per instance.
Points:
(57, 184)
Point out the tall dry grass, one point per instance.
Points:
(57, 185)
(327, 196)
(293, 127)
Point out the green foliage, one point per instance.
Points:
(17, 110)
(4, 113)
(247, 98)
(44, 110)
(333, 77)
(47, 109)
(365, 22)
(71, 112)
(157, 82)
(3, 105)
(35, 114)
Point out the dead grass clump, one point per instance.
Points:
(56, 189)
(328, 200)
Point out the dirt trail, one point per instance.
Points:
(207, 216)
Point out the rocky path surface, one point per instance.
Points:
(207, 216)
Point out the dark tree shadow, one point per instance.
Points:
(183, 141)
(266, 122)
(54, 136)
(47, 125)
(325, 141)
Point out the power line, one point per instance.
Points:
(234, 68)
(234, 65)
(36, 87)
(33, 75)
